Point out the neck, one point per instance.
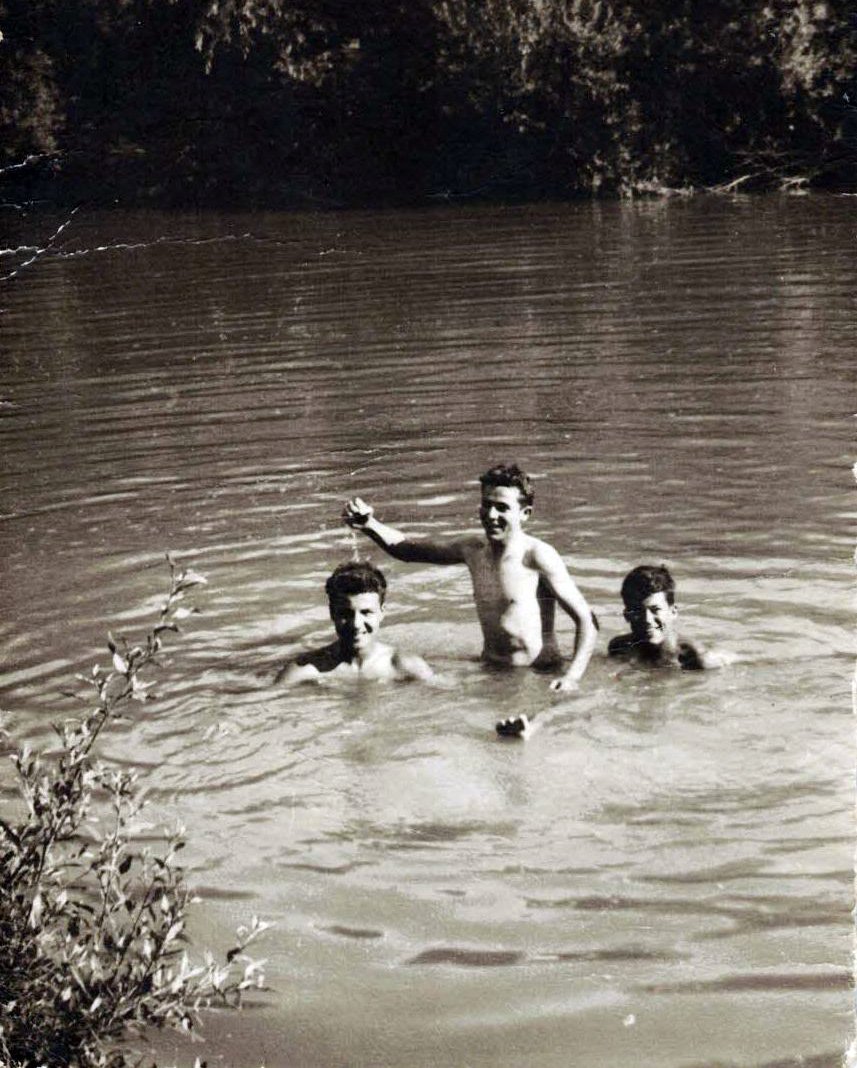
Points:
(669, 648)
(500, 548)
(350, 655)
(666, 652)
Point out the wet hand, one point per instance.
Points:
(565, 685)
(357, 512)
(515, 727)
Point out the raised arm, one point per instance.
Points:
(360, 516)
(554, 572)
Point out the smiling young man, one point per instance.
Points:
(648, 593)
(356, 592)
(517, 580)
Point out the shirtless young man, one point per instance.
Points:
(356, 593)
(517, 580)
(648, 593)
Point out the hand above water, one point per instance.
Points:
(515, 727)
(357, 512)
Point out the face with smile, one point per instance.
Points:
(356, 619)
(653, 620)
(501, 512)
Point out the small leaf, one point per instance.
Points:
(119, 664)
(139, 690)
(36, 910)
(174, 931)
(183, 613)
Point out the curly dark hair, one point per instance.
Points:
(510, 475)
(357, 576)
(645, 580)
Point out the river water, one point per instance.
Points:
(662, 876)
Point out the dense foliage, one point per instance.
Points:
(392, 100)
(92, 942)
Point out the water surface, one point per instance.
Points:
(662, 876)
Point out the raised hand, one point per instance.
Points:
(357, 512)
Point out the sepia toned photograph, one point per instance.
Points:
(427, 533)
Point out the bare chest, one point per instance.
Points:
(502, 582)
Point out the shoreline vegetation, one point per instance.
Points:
(93, 921)
(320, 103)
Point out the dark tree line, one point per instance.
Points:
(392, 101)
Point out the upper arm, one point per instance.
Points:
(551, 568)
(431, 552)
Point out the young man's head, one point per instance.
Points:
(648, 593)
(507, 501)
(356, 593)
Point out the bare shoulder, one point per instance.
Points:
(541, 555)
(309, 665)
(621, 645)
(469, 545)
(294, 672)
(694, 657)
(411, 666)
(324, 659)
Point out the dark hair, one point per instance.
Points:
(357, 576)
(645, 580)
(510, 475)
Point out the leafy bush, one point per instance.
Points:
(91, 926)
(269, 102)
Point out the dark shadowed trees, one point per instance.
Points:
(264, 101)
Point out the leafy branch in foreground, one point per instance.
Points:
(92, 928)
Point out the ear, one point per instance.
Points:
(526, 512)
